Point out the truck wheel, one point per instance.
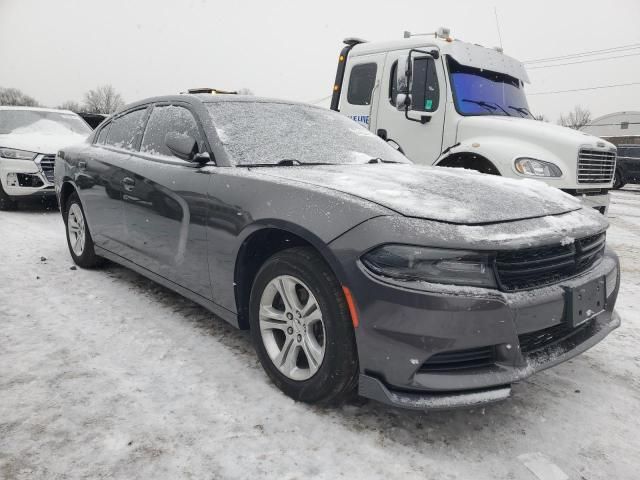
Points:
(6, 202)
(78, 236)
(618, 180)
(301, 328)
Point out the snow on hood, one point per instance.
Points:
(437, 193)
(525, 129)
(47, 143)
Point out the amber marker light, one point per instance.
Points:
(352, 306)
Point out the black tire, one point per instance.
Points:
(6, 202)
(88, 258)
(337, 375)
(618, 180)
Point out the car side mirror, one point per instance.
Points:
(181, 145)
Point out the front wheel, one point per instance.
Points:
(79, 238)
(6, 202)
(301, 328)
(618, 180)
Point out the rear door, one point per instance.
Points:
(100, 178)
(165, 202)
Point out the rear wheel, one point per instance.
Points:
(78, 236)
(6, 202)
(301, 328)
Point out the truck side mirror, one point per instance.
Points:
(403, 83)
(403, 102)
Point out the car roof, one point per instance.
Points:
(209, 98)
(35, 109)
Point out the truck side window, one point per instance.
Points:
(425, 91)
(361, 82)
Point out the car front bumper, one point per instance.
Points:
(402, 330)
(23, 178)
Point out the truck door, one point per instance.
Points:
(421, 142)
(362, 80)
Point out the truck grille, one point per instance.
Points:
(540, 266)
(596, 166)
(46, 164)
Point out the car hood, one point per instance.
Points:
(436, 193)
(526, 129)
(40, 142)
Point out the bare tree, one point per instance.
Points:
(71, 105)
(14, 97)
(576, 119)
(541, 117)
(103, 99)
(245, 91)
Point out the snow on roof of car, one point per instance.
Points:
(36, 109)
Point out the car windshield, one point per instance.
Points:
(483, 92)
(38, 121)
(259, 133)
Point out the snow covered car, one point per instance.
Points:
(424, 287)
(29, 140)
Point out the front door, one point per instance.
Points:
(421, 142)
(165, 203)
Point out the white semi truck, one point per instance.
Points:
(445, 102)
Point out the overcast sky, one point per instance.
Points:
(56, 50)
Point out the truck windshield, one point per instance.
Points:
(483, 92)
(272, 133)
(42, 121)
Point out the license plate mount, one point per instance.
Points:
(585, 302)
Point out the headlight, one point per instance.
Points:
(14, 154)
(537, 168)
(456, 267)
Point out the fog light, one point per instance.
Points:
(611, 281)
(12, 180)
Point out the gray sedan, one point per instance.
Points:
(354, 269)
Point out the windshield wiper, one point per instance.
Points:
(522, 110)
(380, 160)
(287, 162)
(481, 103)
(491, 106)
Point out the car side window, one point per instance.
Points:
(425, 90)
(102, 135)
(126, 130)
(165, 119)
(361, 82)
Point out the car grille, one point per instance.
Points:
(534, 342)
(46, 164)
(596, 166)
(536, 267)
(472, 358)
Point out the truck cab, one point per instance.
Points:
(445, 102)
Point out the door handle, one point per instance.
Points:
(128, 183)
(82, 164)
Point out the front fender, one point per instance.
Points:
(502, 152)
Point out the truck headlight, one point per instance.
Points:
(537, 168)
(14, 154)
(436, 265)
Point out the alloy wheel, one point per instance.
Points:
(292, 327)
(76, 229)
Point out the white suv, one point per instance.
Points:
(29, 140)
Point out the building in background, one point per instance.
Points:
(620, 128)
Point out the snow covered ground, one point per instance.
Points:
(105, 374)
